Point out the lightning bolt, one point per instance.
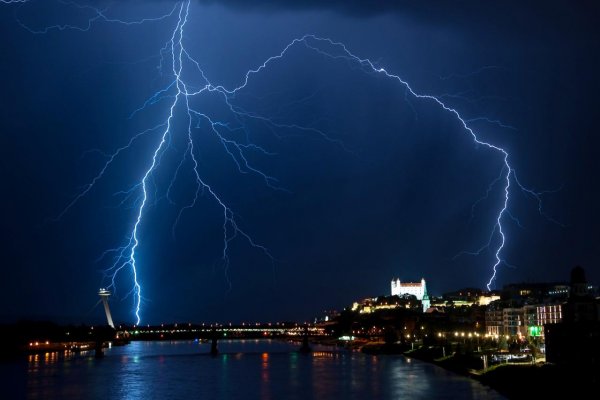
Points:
(97, 15)
(180, 93)
(506, 174)
(126, 254)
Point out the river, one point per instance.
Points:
(244, 369)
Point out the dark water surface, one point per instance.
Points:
(245, 369)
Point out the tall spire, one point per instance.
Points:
(104, 296)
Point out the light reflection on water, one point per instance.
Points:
(251, 369)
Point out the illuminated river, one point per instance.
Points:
(246, 369)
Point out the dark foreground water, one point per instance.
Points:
(244, 370)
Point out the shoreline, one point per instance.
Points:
(519, 381)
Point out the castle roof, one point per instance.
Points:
(410, 284)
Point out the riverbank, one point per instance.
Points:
(520, 381)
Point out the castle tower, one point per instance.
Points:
(425, 301)
(104, 296)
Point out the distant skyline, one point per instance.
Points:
(352, 182)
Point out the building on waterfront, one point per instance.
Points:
(494, 321)
(525, 321)
(417, 289)
(549, 314)
(576, 341)
(534, 309)
(513, 321)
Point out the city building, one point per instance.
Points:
(532, 293)
(550, 314)
(494, 321)
(539, 309)
(502, 318)
(513, 321)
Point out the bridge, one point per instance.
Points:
(190, 331)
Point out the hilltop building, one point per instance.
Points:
(370, 305)
(417, 289)
(467, 297)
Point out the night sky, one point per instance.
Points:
(390, 191)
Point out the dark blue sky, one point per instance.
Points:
(394, 200)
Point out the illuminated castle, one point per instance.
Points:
(417, 289)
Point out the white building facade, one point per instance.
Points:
(417, 289)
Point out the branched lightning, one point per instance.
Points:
(492, 121)
(371, 67)
(507, 171)
(97, 15)
(126, 255)
(180, 93)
